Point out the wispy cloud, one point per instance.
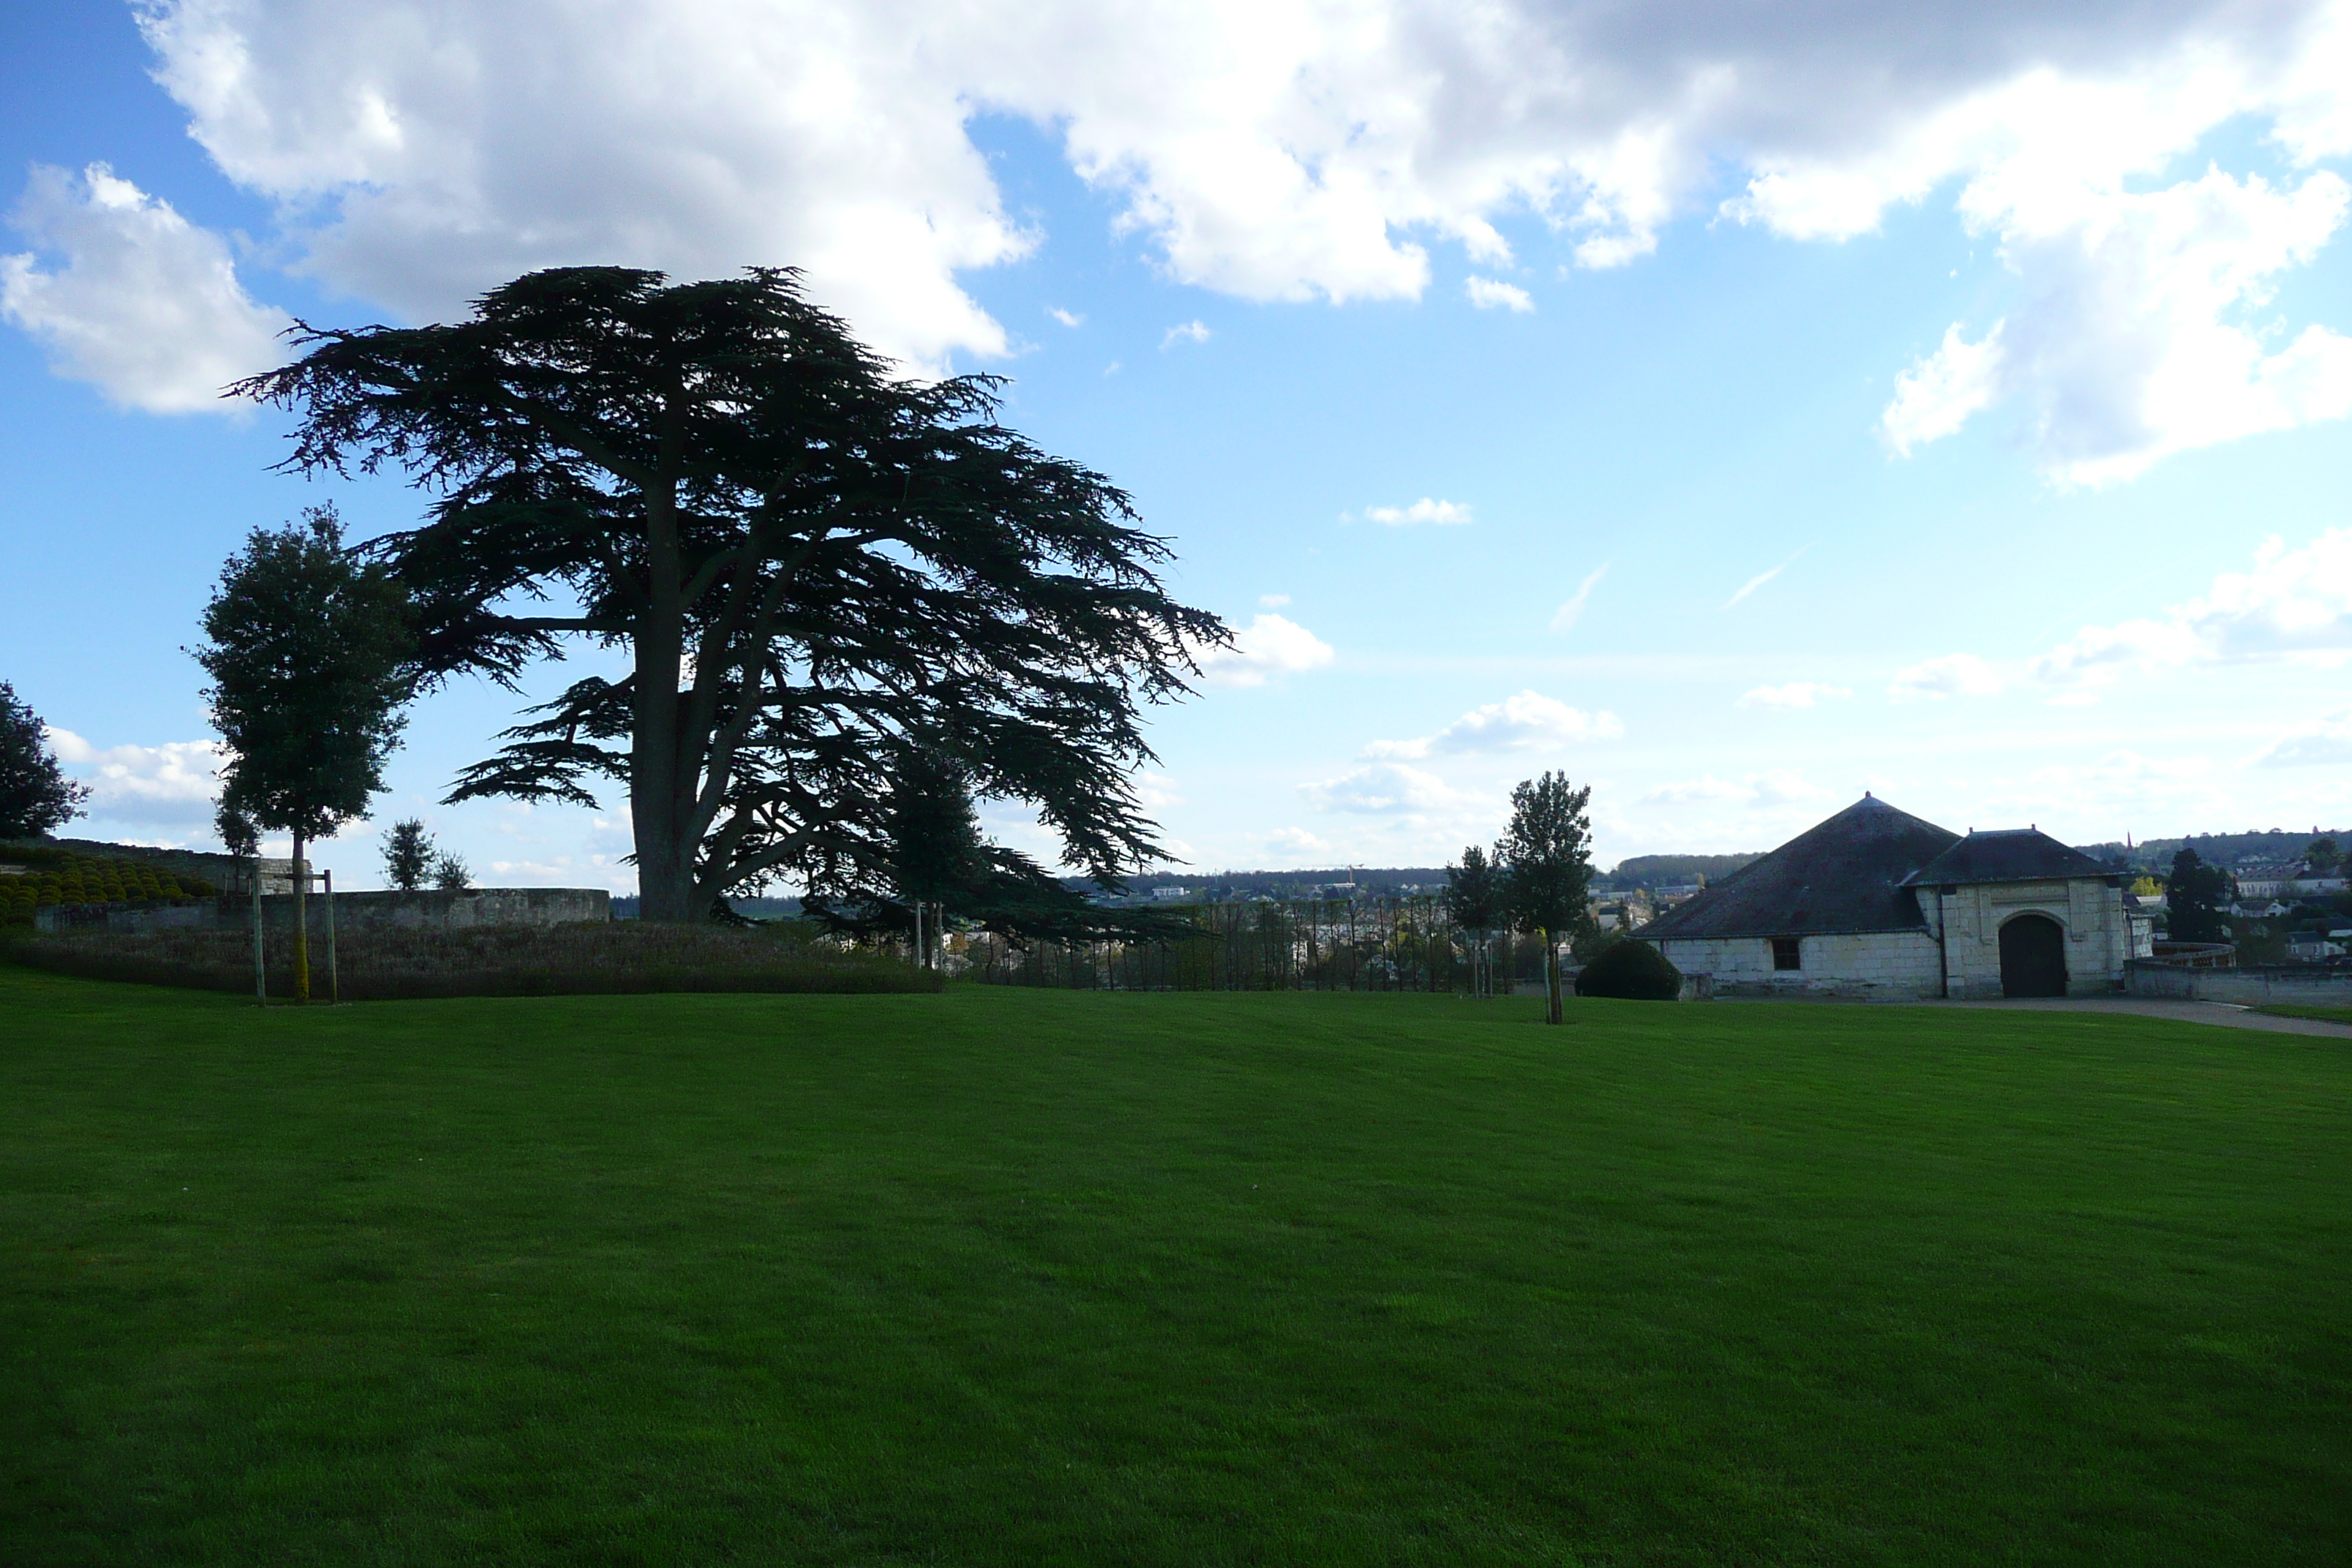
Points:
(1762, 578)
(1564, 619)
(1492, 294)
(2327, 743)
(1954, 675)
(1067, 317)
(1796, 694)
(1445, 513)
(1272, 600)
(1189, 332)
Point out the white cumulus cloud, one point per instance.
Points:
(1528, 721)
(1796, 694)
(1935, 397)
(1269, 646)
(1493, 294)
(145, 306)
(172, 785)
(2293, 605)
(2132, 341)
(420, 151)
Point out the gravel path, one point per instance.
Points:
(2229, 1016)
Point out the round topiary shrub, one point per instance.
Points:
(1632, 970)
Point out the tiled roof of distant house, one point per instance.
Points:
(2007, 855)
(1846, 875)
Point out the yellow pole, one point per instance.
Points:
(301, 924)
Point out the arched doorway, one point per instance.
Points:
(2032, 957)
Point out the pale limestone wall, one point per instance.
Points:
(1884, 963)
(2252, 987)
(2099, 935)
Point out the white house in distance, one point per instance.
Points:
(1877, 903)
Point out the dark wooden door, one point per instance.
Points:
(2032, 957)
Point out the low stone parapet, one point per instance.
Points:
(353, 911)
(2251, 985)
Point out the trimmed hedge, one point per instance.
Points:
(1633, 970)
(61, 876)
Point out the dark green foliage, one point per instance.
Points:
(1474, 895)
(1546, 860)
(1632, 971)
(998, 1278)
(2323, 857)
(306, 650)
(935, 856)
(812, 562)
(2196, 895)
(450, 873)
(936, 853)
(36, 796)
(408, 854)
(1546, 856)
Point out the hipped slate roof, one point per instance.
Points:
(1846, 875)
(2010, 855)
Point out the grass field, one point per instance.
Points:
(2303, 1010)
(1016, 1277)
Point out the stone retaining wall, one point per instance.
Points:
(2251, 985)
(353, 911)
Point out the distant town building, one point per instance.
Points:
(1877, 902)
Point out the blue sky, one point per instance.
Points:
(1963, 421)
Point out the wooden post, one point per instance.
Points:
(919, 954)
(301, 923)
(260, 966)
(334, 983)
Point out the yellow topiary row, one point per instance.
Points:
(59, 878)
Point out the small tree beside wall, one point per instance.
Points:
(1547, 858)
(306, 647)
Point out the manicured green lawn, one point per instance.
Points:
(1022, 1277)
(2303, 1010)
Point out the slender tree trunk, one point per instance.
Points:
(301, 922)
(1552, 1013)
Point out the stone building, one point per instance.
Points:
(1876, 902)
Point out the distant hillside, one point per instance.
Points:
(2224, 848)
(1213, 887)
(1674, 870)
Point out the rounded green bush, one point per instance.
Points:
(1632, 970)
